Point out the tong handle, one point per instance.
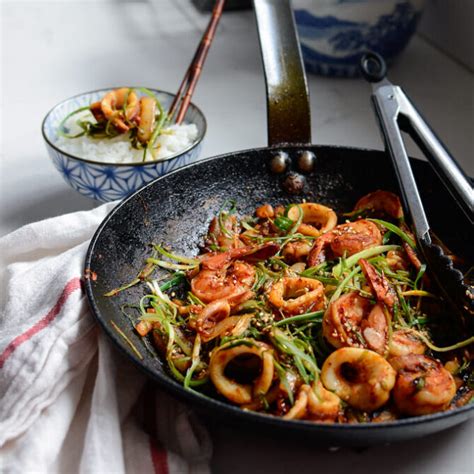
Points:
(445, 166)
(387, 110)
(411, 121)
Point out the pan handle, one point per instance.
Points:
(288, 112)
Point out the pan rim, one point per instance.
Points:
(196, 398)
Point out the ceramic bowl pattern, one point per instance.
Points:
(106, 181)
(334, 33)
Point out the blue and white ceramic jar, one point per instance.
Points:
(334, 33)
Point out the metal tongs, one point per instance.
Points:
(395, 112)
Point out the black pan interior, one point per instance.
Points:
(177, 209)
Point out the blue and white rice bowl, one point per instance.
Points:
(334, 33)
(105, 181)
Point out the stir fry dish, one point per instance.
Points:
(299, 313)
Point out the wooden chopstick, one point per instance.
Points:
(188, 84)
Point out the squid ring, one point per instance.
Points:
(323, 404)
(324, 217)
(296, 295)
(210, 319)
(237, 392)
(360, 377)
(298, 410)
(315, 403)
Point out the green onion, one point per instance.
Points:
(314, 316)
(419, 276)
(298, 221)
(178, 258)
(195, 362)
(366, 253)
(281, 372)
(344, 283)
(418, 293)
(396, 230)
(405, 306)
(127, 340)
(61, 131)
(283, 223)
(303, 361)
(170, 265)
(176, 280)
(386, 237)
(116, 291)
(223, 214)
(434, 348)
(309, 272)
(193, 299)
(239, 342)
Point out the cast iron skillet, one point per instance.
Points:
(176, 209)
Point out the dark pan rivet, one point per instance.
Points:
(306, 161)
(279, 162)
(294, 183)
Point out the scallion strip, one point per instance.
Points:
(434, 348)
(170, 265)
(344, 283)
(60, 130)
(366, 253)
(127, 340)
(419, 276)
(418, 293)
(281, 372)
(177, 258)
(314, 316)
(396, 230)
(176, 280)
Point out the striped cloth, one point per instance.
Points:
(68, 402)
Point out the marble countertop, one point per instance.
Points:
(54, 49)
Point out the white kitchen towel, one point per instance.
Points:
(68, 402)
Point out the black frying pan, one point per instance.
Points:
(176, 209)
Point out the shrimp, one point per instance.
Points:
(96, 111)
(223, 276)
(317, 219)
(241, 393)
(360, 377)
(147, 118)
(296, 251)
(354, 321)
(265, 211)
(405, 342)
(229, 281)
(423, 385)
(296, 295)
(347, 239)
(397, 260)
(379, 285)
(112, 105)
(383, 202)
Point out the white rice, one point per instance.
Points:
(119, 149)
